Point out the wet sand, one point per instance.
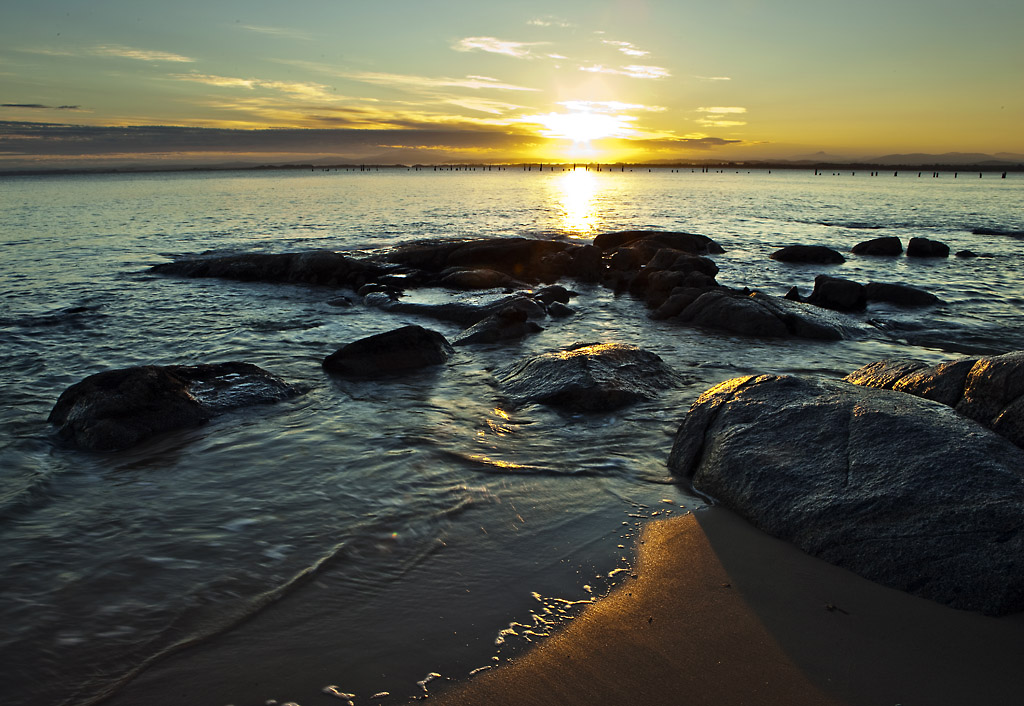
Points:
(720, 613)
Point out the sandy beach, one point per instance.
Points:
(720, 613)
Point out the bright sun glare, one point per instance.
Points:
(582, 127)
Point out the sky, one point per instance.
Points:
(111, 82)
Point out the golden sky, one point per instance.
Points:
(404, 81)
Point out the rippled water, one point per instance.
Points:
(383, 531)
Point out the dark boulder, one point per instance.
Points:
(923, 247)
(808, 254)
(480, 278)
(899, 294)
(586, 263)
(686, 242)
(319, 267)
(879, 246)
(966, 254)
(117, 409)
(554, 293)
(588, 377)
(524, 259)
(395, 352)
(459, 312)
(838, 294)
(762, 315)
(989, 390)
(900, 490)
(509, 324)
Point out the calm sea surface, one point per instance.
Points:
(366, 535)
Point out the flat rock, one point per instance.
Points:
(808, 254)
(524, 259)
(762, 315)
(899, 294)
(318, 267)
(117, 409)
(509, 324)
(588, 377)
(657, 239)
(397, 352)
(898, 489)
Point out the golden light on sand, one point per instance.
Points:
(574, 192)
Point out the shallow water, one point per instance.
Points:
(382, 531)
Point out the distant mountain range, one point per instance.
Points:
(919, 159)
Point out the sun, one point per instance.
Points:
(581, 127)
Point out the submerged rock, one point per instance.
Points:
(117, 409)
(898, 489)
(838, 294)
(462, 313)
(588, 377)
(395, 352)
(509, 324)
(808, 254)
(899, 294)
(988, 390)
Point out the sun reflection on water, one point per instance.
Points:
(575, 191)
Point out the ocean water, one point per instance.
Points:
(367, 535)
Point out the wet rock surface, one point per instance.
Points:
(988, 390)
(397, 352)
(889, 246)
(759, 314)
(923, 247)
(808, 254)
(317, 267)
(588, 377)
(117, 409)
(901, 490)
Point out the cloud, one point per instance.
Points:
(40, 106)
(550, 21)
(713, 78)
(219, 81)
(609, 106)
(723, 110)
(634, 71)
(518, 50)
(407, 81)
(627, 48)
(279, 32)
(484, 105)
(139, 54)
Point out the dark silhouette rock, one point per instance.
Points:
(838, 294)
(900, 490)
(319, 267)
(808, 254)
(458, 312)
(551, 294)
(879, 246)
(559, 310)
(588, 377)
(626, 259)
(899, 294)
(509, 324)
(988, 390)
(586, 264)
(966, 254)
(524, 259)
(761, 315)
(395, 352)
(677, 301)
(117, 409)
(923, 247)
(686, 242)
(482, 278)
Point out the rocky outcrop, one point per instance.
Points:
(650, 241)
(403, 350)
(879, 247)
(838, 294)
(923, 247)
(318, 267)
(988, 390)
(522, 259)
(459, 312)
(588, 377)
(898, 489)
(808, 254)
(117, 409)
(759, 314)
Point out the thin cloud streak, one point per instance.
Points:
(279, 32)
(39, 106)
(633, 71)
(493, 45)
(138, 54)
(627, 48)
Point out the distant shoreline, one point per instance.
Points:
(708, 165)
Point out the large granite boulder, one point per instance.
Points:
(397, 352)
(588, 377)
(879, 246)
(989, 390)
(319, 267)
(117, 409)
(759, 314)
(808, 254)
(838, 294)
(895, 488)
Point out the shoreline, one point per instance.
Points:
(721, 613)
